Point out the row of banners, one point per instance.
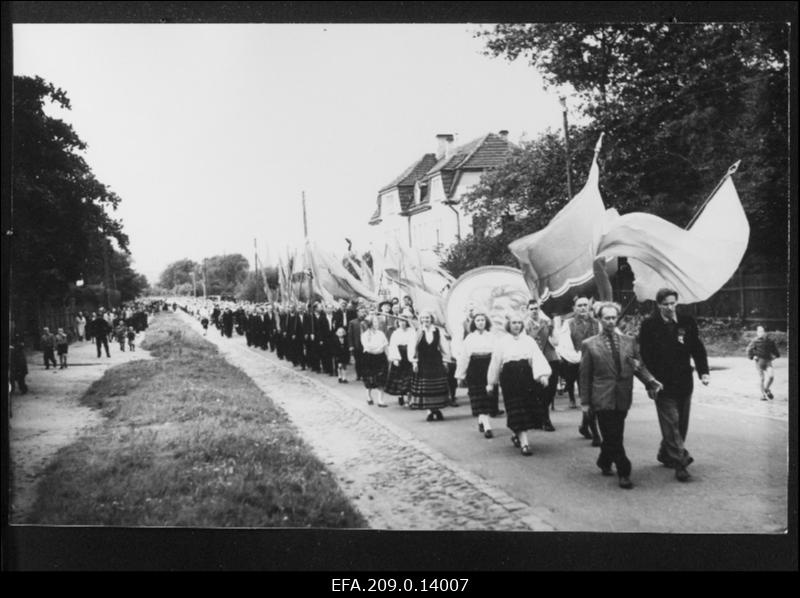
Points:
(578, 248)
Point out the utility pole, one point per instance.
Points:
(255, 266)
(305, 219)
(563, 101)
(106, 272)
(204, 278)
(194, 283)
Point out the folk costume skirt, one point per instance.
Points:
(516, 381)
(400, 377)
(482, 403)
(373, 370)
(429, 388)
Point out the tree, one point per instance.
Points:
(59, 208)
(178, 273)
(225, 273)
(679, 104)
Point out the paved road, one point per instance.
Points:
(406, 473)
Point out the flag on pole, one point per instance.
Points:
(559, 256)
(331, 279)
(696, 262)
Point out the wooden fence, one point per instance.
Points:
(753, 299)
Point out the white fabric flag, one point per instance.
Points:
(696, 262)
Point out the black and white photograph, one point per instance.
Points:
(356, 281)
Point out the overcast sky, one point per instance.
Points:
(210, 133)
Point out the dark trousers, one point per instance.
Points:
(19, 380)
(612, 427)
(102, 341)
(673, 418)
(570, 373)
(326, 359)
(357, 359)
(452, 383)
(49, 355)
(552, 382)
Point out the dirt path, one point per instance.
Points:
(49, 416)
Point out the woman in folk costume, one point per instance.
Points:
(373, 360)
(473, 366)
(429, 388)
(401, 372)
(517, 364)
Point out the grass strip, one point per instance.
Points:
(188, 440)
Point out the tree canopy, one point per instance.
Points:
(60, 211)
(225, 275)
(679, 104)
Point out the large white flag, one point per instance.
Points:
(559, 256)
(696, 262)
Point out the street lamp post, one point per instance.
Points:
(563, 101)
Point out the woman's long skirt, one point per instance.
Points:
(400, 377)
(516, 381)
(373, 370)
(429, 388)
(482, 402)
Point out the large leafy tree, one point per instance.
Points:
(225, 274)
(178, 273)
(679, 103)
(60, 211)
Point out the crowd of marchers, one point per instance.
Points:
(398, 351)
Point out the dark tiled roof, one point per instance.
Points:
(482, 153)
(489, 154)
(410, 175)
(459, 155)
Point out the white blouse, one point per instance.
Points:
(407, 337)
(475, 343)
(374, 341)
(510, 348)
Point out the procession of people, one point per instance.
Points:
(395, 351)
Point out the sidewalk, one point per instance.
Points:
(49, 416)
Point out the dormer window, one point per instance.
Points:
(423, 192)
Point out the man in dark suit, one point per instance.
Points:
(341, 316)
(609, 361)
(100, 330)
(668, 341)
(313, 329)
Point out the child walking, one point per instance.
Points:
(62, 346)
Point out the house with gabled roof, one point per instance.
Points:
(421, 207)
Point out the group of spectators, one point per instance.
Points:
(119, 325)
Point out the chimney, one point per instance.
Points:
(445, 145)
(504, 134)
